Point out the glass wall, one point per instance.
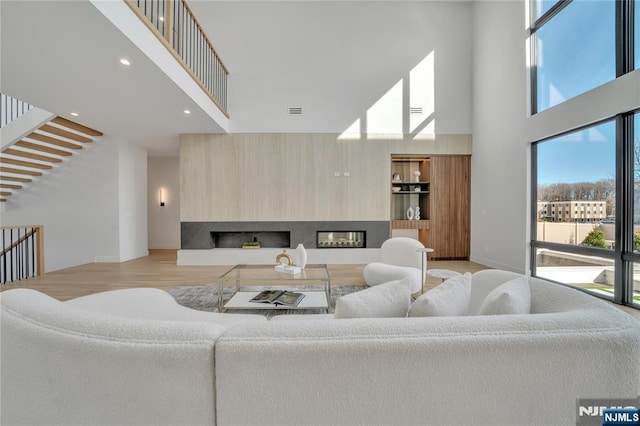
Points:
(586, 181)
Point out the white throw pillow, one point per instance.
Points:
(512, 297)
(391, 299)
(451, 298)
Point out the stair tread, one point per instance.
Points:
(48, 139)
(31, 155)
(76, 126)
(43, 148)
(20, 171)
(24, 163)
(64, 133)
(15, 179)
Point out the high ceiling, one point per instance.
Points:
(63, 56)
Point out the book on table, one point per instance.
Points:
(278, 297)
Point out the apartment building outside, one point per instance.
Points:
(572, 211)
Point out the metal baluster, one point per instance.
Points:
(209, 70)
(224, 91)
(27, 257)
(33, 252)
(4, 258)
(25, 272)
(18, 257)
(163, 22)
(190, 49)
(11, 251)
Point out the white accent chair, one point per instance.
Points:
(399, 258)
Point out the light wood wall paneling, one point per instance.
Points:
(367, 186)
(274, 177)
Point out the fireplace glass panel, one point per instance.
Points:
(341, 239)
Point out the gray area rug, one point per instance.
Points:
(205, 298)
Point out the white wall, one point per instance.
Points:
(499, 160)
(93, 207)
(503, 131)
(341, 61)
(78, 206)
(163, 222)
(132, 201)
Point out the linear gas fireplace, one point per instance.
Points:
(284, 234)
(341, 239)
(228, 239)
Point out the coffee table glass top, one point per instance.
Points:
(267, 273)
(244, 277)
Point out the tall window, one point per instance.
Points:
(636, 38)
(577, 170)
(586, 182)
(635, 274)
(581, 36)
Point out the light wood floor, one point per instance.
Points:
(159, 270)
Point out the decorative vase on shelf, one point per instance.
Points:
(416, 176)
(410, 213)
(417, 213)
(301, 256)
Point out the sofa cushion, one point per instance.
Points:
(512, 297)
(391, 299)
(451, 298)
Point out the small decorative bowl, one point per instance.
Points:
(395, 188)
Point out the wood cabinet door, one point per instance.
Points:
(450, 232)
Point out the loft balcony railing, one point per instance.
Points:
(11, 108)
(22, 253)
(173, 22)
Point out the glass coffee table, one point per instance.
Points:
(245, 278)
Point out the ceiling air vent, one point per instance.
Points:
(295, 111)
(415, 110)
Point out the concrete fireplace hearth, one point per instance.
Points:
(219, 243)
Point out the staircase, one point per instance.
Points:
(40, 151)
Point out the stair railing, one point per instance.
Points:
(175, 25)
(11, 108)
(22, 253)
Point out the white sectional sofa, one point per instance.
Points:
(96, 361)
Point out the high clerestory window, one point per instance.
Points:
(574, 47)
(577, 46)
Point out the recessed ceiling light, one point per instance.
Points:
(161, 18)
(186, 111)
(75, 114)
(125, 61)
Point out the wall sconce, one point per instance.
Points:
(161, 198)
